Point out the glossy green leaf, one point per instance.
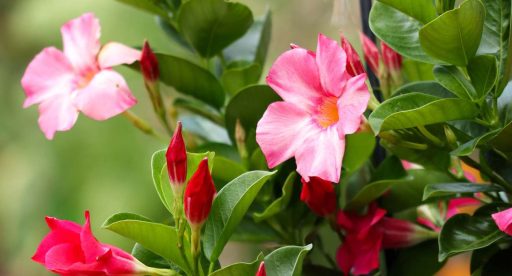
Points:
(234, 79)
(463, 233)
(503, 138)
(359, 148)
(448, 189)
(228, 209)
(204, 128)
(253, 46)
(426, 87)
(417, 71)
(505, 104)
(280, 203)
(212, 25)
(286, 261)
(419, 260)
(415, 109)
(399, 31)
(226, 169)
(191, 79)
(453, 38)
(372, 191)
(470, 146)
(152, 6)
(199, 108)
(495, 38)
(238, 269)
(175, 36)
(149, 258)
(422, 10)
(483, 72)
(248, 106)
(451, 78)
(159, 238)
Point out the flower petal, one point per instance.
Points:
(352, 104)
(320, 155)
(57, 114)
(91, 247)
(294, 76)
(81, 38)
(60, 258)
(331, 61)
(62, 231)
(107, 95)
(282, 130)
(47, 75)
(113, 54)
(504, 220)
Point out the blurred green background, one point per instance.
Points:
(101, 166)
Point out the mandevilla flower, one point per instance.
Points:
(261, 270)
(71, 249)
(436, 214)
(504, 220)
(176, 156)
(354, 65)
(322, 104)
(79, 79)
(399, 233)
(319, 195)
(199, 195)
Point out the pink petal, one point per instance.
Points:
(282, 130)
(47, 75)
(113, 54)
(367, 252)
(57, 114)
(60, 258)
(294, 76)
(331, 61)
(107, 95)
(90, 246)
(81, 37)
(62, 231)
(504, 220)
(457, 205)
(320, 155)
(352, 104)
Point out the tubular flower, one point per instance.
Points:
(176, 156)
(322, 104)
(435, 215)
(354, 65)
(199, 195)
(319, 195)
(402, 233)
(504, 220)
(79, 79)
(71, 249)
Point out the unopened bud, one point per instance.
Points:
(399, 233)
(176, 156)
(261, 270)
(149, 64)
(354, 65)
(199, 194)
(371, 53)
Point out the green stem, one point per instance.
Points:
(494, 177)
(142, 125)
(430, 136)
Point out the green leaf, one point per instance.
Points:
(502, 139)
(462, 233)
(451, 78)
(212, 25)
(426, 87)
(286, 261)
(399, 31)
(190, 79)
(228, 209)
(161, 178)
(469, 147)
(417, 71)
(280, 203)
(372, 191)
(422, 10)
(495, 38)
(419, 260)
(149, 258)
(152, 6)
(240, 268)
(159, 238)
(359, 148)
(483, 72)
(415, 109)
(235, 79)
(248, 106)
(253, 46)
(199, 108)
(226, 169)
(453, 38)
(449, 189)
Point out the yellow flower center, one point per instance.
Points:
(328, 112)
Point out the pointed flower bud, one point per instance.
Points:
(149, 64)
(319, 195)
(199, 195)
(371, 53)
(261, 270)
(354, 65)
(402, 233)
(392, 60)
(177, 159)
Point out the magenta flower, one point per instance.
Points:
(78, 79)
(504, 220)
(322, 104)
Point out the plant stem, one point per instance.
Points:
(492, 175)
(430, 136)
(142, 125)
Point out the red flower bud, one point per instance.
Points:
(261, 270)
(371, 53)
(177, 158)
(149, 64)
(354, 65)
(319, 195)
(392, 59)
(402, 233)
(199, 195)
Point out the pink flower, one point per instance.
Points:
(79, 79)
(319, 195)
(460, 205)
(435, 215)
(70, 249)
(322, 104)
(504, 220)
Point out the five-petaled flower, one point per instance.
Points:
(78, 79)
(322, 103)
